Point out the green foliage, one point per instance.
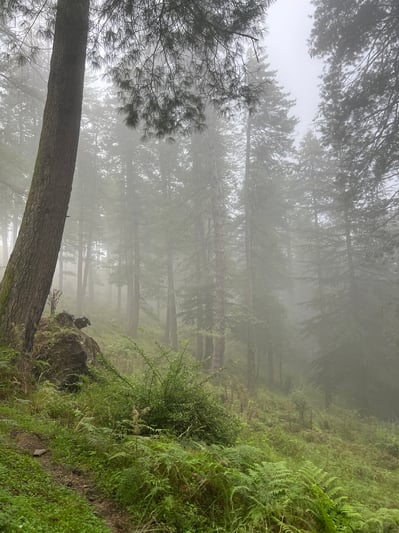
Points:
(8, 372)
(177, 397)
(288, 482)
(31, 502)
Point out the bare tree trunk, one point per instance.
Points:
(136, 278)
(133, 247)
(203, 269)
(218, 215)
(171, 336)
(29, 273)
(171, 321)
(249, 266)
(87, 263)
(328, 383)
(79, 271)
(199, 275)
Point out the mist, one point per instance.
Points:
(265, 243)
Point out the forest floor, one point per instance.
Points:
(74, 479)
(292, 463)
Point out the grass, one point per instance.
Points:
(294, 467)
(32, 502)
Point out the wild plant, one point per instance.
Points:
(179, 399)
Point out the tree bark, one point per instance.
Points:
(28, 276)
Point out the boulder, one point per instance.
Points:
(62, 352)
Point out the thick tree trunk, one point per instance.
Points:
(27, 279)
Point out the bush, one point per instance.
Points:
(175, 396)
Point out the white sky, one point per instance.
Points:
(289, 23)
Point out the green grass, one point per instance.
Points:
(31, 502)
(294, 468)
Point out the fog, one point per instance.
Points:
(257, 246)
(287, 43)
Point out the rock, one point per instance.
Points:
(82, 322)
(40, 452)
(62, 351)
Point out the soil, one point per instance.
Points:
(116, 518)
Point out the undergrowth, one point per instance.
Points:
(163, 446)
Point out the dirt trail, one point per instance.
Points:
(116, 519)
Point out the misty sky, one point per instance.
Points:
(289, 26)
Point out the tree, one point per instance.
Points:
(27, 279)
(360, 39)
(268, 150)
(167, 58)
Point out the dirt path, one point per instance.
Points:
(115, 518)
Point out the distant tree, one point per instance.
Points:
(167, 160)
(206, 257)
(268, 152)
(167, 58)
(21, 91)
(343, 236)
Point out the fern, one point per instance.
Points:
(325, 501)
(381, 521)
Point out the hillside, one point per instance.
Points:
(161, 452)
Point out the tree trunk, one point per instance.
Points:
(133, 246)
(218, 208)
(87, 264)
(249, 265)
(136, 277)
(79, 272)
(199, 274)
(166, 163)
(171, 320)
(203, 269)
(29, 273)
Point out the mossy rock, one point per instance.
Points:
(62, 352)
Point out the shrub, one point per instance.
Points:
(175, 396)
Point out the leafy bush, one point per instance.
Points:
(175, 396)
